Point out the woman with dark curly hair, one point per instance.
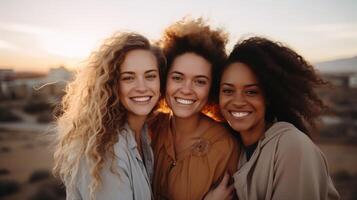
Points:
(192, 151)
(268, 97)
(103, 147)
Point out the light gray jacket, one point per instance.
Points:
(285, 165)
(134, 180)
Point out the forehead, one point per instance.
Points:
(139, 60)
(239, 73)
(191, 64)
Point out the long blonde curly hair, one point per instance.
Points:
(91, 113)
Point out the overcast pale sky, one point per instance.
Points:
(38, 34)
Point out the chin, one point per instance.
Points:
(142, 112)
(182, 114)
(239, 126)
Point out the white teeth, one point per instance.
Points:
(239, 114)
(141, 99)
(184, 101)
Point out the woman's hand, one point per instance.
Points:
(223, 191)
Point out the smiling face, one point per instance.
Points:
(241, 99)
(139, 82)
(188, 84)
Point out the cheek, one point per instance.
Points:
(170, 87)
(168, 90)
(259, 105)
(203, 92)
(123, 90)
(155, 86)
(224, 102)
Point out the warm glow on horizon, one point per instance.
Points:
(44, 34)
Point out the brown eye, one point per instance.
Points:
(252, 92)
(227, 91)
(151, 77)
(127, 78)
(200, 82)
(176, 78)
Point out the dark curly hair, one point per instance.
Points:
(195, 36)
(288, 81)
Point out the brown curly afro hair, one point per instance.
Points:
(195, 36)
(288, 81)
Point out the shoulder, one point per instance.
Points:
(220, 136)
(157, 119)
(218, 131)
(291, 138)
(157, 124)
(222, 148)
(293, 143)
(122, 149)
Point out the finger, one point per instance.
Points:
(229, 197)
(230, 188)
(225, 180)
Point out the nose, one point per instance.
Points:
(141, 85)
(239, 100)
(186, 87)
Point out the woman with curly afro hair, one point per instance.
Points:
(192, 151)
(268, 97)
(103, 147)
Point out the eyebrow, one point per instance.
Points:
(132, 73)
(182, 74)
(152, 70)
(128, 72)
(248, 85)
(176, 72)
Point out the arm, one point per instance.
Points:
(223, 191)
(73, 194)
(117, 186)
(113, 186)
(300, 169)
(230, 152)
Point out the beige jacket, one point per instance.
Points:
(285, 165)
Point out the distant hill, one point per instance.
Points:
(345, 65)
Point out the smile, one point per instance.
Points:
(239, 114)
(142, 99)
(184, 101)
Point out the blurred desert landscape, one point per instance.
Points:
(42, 42)
(27, 110)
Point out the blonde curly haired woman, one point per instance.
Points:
(103, 149)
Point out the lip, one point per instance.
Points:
(141, 99)
(184, 101)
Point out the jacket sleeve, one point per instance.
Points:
(113, 186)
(228, 159)
(301, 170)
(73, 194)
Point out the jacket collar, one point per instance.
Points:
(129, 136)
(275, 130)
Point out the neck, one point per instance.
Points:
(185, 127)
(136, 123)
(254, 134)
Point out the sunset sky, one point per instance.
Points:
(39, 34)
